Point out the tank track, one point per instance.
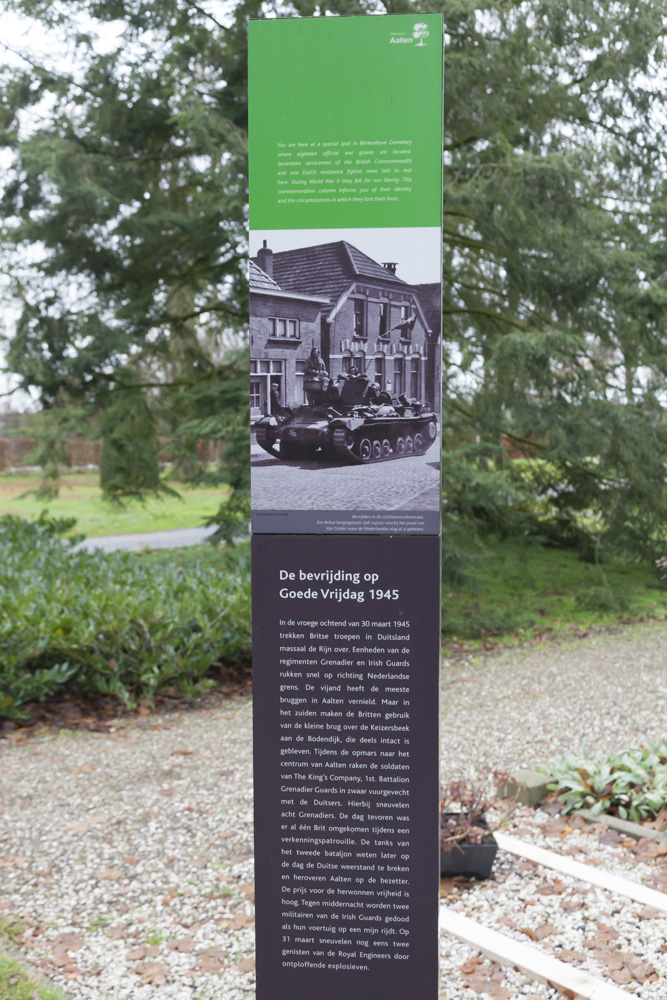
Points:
(384, 440)
(267, 440)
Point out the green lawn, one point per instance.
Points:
(518, 592)
(19, 981)
(81, 497)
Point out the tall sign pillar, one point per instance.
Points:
(345, 348)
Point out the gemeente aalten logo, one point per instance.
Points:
(419, 33)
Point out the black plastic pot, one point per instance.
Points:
(471, 860)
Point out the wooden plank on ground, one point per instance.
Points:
(527, 959)
(587, 873)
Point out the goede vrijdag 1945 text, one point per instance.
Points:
(335, 593)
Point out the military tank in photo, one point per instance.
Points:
(356, 422)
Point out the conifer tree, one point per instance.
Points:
(554, 274)
(125, 233)
(130, 187)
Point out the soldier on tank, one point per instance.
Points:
(316, 369)
(318, 386)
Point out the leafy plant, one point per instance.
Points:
(463, 807)
(631, 784)
(110, 623)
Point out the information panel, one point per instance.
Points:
(345, 383)
(345, 661)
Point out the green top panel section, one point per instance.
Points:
(346, 122)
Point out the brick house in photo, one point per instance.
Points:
(368, 317)
(430, 296)
(284, 328)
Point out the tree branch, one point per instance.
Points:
(205, 13)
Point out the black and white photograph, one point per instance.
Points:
(345, 369)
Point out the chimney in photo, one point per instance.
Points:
(265, 259)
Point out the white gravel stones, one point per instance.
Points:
(140, 842)
(525, 706)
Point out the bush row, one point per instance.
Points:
(109, 623)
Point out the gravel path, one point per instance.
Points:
(127, 856)
(517, 709)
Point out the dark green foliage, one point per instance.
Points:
(555, 269)
(110, 623)
(232, 519)
(218, 559)
(129, 453)
(133, 186)
(518, 590)
(218, 410)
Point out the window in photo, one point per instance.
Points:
(264, 374)
(359, 318)
(383, 328)
(284, 328)
(415, 377)
(399, 376)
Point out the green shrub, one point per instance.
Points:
(631, 784)
(109, 623)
